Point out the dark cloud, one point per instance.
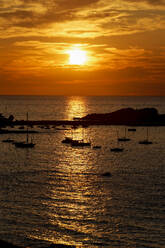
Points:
(28, 18)
(75, 3)
(27, 12)
(152, 2)
(79, 3)
(25, 15)
(33, 20)
(62, 4)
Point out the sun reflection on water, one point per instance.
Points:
(78, 133)
(77, 107)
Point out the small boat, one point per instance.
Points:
(145, 141)
(8, 141)
(96, 147)
(117, 149)
(132, 129)
(80, 143)
(106, 174)
(67, 140)
(73, 142)
(25, 144)
(124, 139)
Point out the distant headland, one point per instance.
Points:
(128, 116)
(125, 116)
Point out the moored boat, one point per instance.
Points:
(117, 149)
(25, 144)
(67, 140)
(145, 141)
(80, 143)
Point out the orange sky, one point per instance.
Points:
(124, 41)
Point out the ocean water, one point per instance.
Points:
(55, 193)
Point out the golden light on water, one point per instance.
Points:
(76, 107)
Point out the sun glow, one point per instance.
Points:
(77, 56)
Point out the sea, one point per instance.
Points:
(56, 193)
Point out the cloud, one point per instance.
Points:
(124, 40)
(151, 2)
(38, 13)
(88, 18)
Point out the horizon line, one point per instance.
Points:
(63, 95)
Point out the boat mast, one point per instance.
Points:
(147, 133)
(27, 137)
(117, 133)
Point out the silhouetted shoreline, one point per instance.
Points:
(10, 245)
(125, 116)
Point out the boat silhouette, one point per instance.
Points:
(80, 143)
(96, 147)
(117, 149)
(67, 140)
(124, 139)
(132, 129)
(25, 144)
(8, 140)
(106, 174)
(145, 141)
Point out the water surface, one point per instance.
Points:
(56, 193)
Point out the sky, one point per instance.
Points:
(123, 42)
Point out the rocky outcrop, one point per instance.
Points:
(6, 121)
(126, 116)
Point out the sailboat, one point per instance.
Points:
(117, 149)
(80, 143)
(146, 141)
(67, 140)
(75, 142)
(124, 139)
(25, 144)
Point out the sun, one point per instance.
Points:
(77, 56)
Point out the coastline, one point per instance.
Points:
(10, 245)
(125, 116)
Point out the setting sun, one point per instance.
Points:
(77, 56)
